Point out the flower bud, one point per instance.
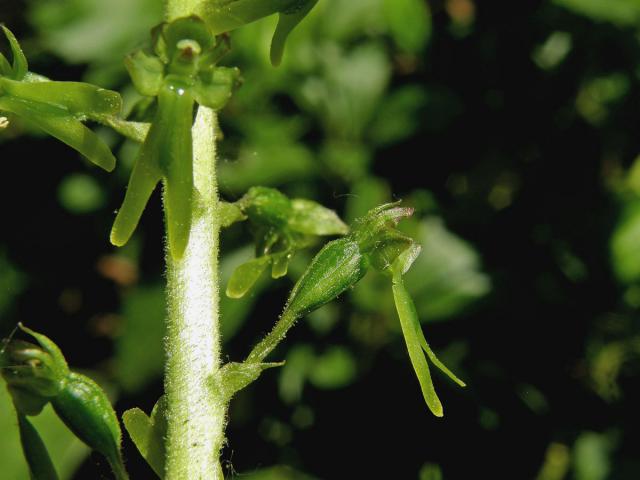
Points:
(266, 207)
(280, 227)
(83, 406)
(337, 267)
(38, 374)
(34, 373)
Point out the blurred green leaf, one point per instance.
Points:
(403, 105)
(446, 277)
(556, 463)
(274, 473)
(591, 456)
(351, 85)
(66, 451)
(553, 51)
(95, 32)
(364, 193)
(624, 244)
(409, 23)
(597, 95)
(271, 155)
(294, 373)
(12, 282)
(80, 193)
(430, 471)
(139, 356)
(335, 368)
(620, 12)
(356, 17)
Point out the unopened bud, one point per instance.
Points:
(83, 406)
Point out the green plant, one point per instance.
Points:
(179, 75)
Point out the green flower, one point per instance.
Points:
(280, 226)
(37, 374)
(373, 242)
(180, 70)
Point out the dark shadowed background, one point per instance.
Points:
(512, 128)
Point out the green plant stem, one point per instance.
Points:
(273, 338)
(196, 410)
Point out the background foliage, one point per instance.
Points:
(512, 131)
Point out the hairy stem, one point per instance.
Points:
(271, 341)
(196, 410)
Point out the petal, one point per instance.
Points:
(408, 319)
(20, 66)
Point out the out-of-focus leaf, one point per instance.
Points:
(553, 51)
(348, 160)
(533, 398)
(267, 160)
(364, 193)
(619, 12)
(356, 16)
(335, 368)
(556, 462)
(294, 373)
(66, 451)
(139, 357)
(430, 471)
(409, 23)
(12, 281)
(624, 244)
(607, 361)
(403, 106)
(324, 319)
(597, 95)
(346, 94)
(80, 193)
(591, 456)
(446, 277)
(95, 32)
(275, 473)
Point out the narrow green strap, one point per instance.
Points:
(173, 122)
(143, 181)
(408, 319)
(40, 464)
